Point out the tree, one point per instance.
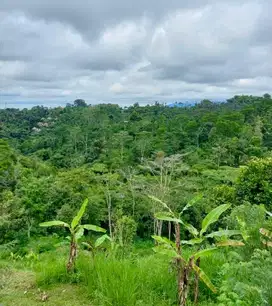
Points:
(206, 103)
(129, 174)
(162, 169)
(7, 166)
(80, 103)
(254, 183)
(76, 231)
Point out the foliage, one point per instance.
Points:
(125, 231)
(52, 159)
(250, 219)
(7, 166)
(185, 266)
(247, 282)
(254, 183)
(76, 232)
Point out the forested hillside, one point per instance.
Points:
(151, 171)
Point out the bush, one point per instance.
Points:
(125, 231)
(249, 218)
(254, 183)
(44, 244)
(247, 283)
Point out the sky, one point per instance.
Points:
(119, 51)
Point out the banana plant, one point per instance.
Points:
(76, 231)
(93, 247)
(186, 266)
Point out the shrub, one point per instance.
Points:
(250, 218)
(247, 283)
(125, 231)
(254, 183)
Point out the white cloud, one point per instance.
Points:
(117, 88)
(124, 51)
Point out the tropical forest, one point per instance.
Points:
(155, 205)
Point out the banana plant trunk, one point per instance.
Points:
(179, 263)
(185, 282)
(196, 293)
(72, 256)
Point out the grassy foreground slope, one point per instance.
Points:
(142, 278)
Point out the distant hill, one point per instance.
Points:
(182, 104)
(192, 103)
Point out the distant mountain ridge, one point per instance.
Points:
(191, 103)
(182, 104)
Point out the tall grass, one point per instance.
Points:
(51, 268)
(141, 279)
(212, 265)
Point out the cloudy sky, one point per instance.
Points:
(122, 51)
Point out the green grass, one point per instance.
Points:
(51, 268)
(138, 281)
(140, 278)
(18, 288)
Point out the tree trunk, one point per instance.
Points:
(86, 144)
(108, 200)
(133, 197)
(29, 227)
(72, 257)
(196, 283)
(169, 230)
(185, 283)
(109, 215)
(160, 222)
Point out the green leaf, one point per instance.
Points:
(269, 213)
(161, 202)
(243, 227)
(205, 252)
(54, 223)
(166, 217)
(190, 228)
(191, 203)
(80, 213)
(87, 245)
(79, 233)
(230, 243)
(204, 278)
(192, 241)
(161, 249)
(224, 233)
(163, 240)
(94, 228)
(266, 232)
(213, 216)
(100, 240)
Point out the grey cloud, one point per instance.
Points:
(196, 48)
(92, 17)
(109, 50)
